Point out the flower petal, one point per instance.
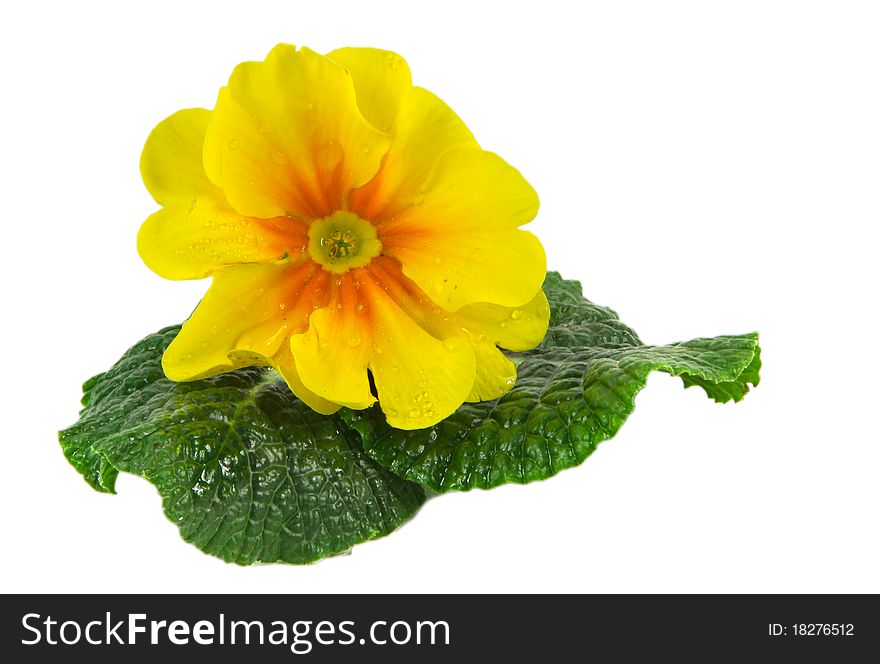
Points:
(496, 373)
(420, 379)
(513, 328)
(457, 270)
(425, 128)
(286, 366)
(193, 242)
(381, 82)
(171, 163)
(247, 314)
(517, 329)
(461, 243)
(484, 326)
(287, 137)
(197, 232)
(332, 355)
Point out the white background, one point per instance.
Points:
(704, 168)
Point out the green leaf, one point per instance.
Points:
(246, 470)
(572, 392)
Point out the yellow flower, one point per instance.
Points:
(353, 227)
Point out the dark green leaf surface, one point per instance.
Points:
(246, 470)
(572, 392)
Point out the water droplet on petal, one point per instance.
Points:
(354, 340)
(233, 144)
(415, 412)
(516, 314)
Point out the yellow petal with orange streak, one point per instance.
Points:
(287, 137)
